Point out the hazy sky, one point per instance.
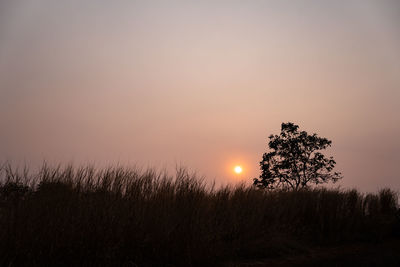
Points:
(200, 83)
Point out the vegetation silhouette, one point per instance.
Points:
(68, 216)
(295, 161)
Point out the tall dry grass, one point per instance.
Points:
(125, 217)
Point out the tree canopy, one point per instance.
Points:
(295, 161)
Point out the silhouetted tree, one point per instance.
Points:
(295, 161)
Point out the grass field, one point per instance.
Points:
(82, 216)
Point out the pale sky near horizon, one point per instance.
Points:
(201, 83)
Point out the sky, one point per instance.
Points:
(200, 84)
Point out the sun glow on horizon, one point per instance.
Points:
(238, 169)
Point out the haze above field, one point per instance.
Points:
(200, 83)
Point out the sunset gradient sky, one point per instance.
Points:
(200, 83)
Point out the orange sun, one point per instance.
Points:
(238, 169)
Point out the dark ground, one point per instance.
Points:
(383, 253)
